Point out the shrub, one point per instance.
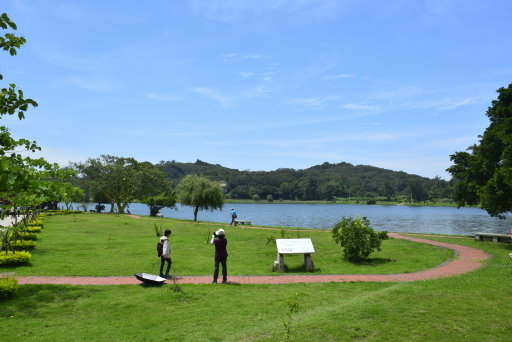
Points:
(357, 238)
(14, 258)
(33, 229)
(20, 245)
(27, 236)
(36, 222)
(8, 287)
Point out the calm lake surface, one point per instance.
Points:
(438, 220)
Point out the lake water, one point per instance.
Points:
(438, 220)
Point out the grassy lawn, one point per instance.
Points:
(103, 245)
(471, 307)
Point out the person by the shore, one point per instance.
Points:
(233, 217)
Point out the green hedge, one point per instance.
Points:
(62, 212)
(14, 258)
(21, 245)
(33, 229)
(27, 236)
(8, 287)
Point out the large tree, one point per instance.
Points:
(24, 181)
(122, 180)
(483, 176)
(200, 193)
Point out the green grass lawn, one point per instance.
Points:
(102, 245)
(472, 307)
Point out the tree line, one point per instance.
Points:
(321, 182)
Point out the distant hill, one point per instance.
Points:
(319, 182)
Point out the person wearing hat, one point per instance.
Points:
(233, 216)
(166, 254)
(221, 255)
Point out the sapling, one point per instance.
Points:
(293, 308)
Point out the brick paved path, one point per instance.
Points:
(466, 260)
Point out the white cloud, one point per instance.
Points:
(256, 91)
(441, 104)
(214, 94)
(458, 103)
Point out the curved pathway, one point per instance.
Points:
(467, 259)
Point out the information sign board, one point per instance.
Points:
(294, 246)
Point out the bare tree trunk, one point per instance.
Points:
(195, 213)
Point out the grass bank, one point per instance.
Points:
(470, 307)
(102, 244)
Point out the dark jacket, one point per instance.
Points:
(221, 251)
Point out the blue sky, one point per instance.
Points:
(260, 85)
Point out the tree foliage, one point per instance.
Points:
(24, 182)
(157, 202)
(483, 176)
(200, 193)
(321, 182)
(357, 238)
(121, 180)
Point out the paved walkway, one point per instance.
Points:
(467, 259)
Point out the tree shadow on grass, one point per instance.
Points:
(371, 261)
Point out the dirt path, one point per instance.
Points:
(467, 259)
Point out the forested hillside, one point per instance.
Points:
(322, 182)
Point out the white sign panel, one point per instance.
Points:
(294, 246)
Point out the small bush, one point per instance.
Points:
(27, 236)
(21, 245)
(32, 229)
(37, 222)
(357, 238)
(14, 258)
(8, 287)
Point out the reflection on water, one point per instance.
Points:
(438, 220)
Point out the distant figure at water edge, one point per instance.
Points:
(166, 254)
(221, 255)
(233, 216)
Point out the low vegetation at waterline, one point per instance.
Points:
(424, 310)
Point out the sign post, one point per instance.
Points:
(295, 246)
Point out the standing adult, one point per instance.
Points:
(233, 216)
(221, 255)
(166, 254)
